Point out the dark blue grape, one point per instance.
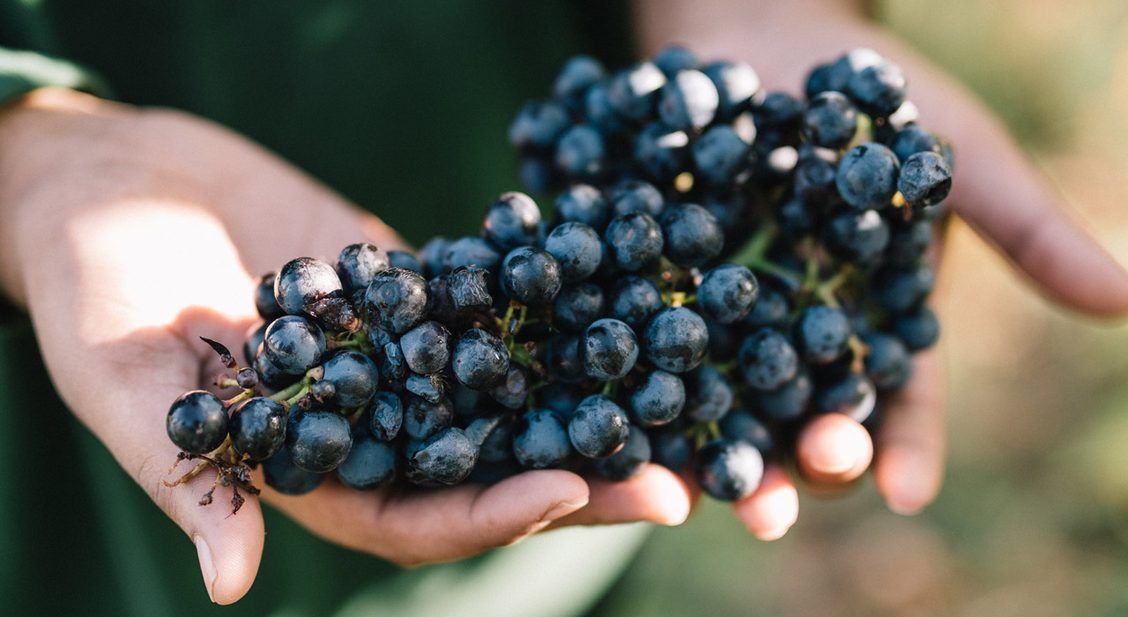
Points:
(577, 75)
(768, 360)
(917, 330)
(577, 249)
(709, 395)
(692, 235)
(729, 470)
(830, 120)
(513, 389)
(370, 464)
(480, 359)
(530, 276)
(676, 339)
(428, 387)
(741, 425)
(600, 110)
(908, 243)
(902, 290)
(445, 459)
(564, 357)
(720, 155)
(887, 361)
(498, 443)
(789, 401)
(354, 377)
(727, 293)
(661, 151)
(397, 299)
(560, 397)
(358, 263)
(857, 236)
(633, 93)
(913, 139)
(610, 349)
(598, 427)
(538, 125)
(629, 460)
(270, 375)
(392, 367)
(673, 59)
(386, 417)
(265, 303)
(878, 89)
(658, 400)
(867, 176)
(469, 289)
(814, 181)
(636, 196)
(302, 282)
(405, 260)
(688, 101)
(771, 310)
(294, 344)
(284, 476)
(633, 300)
(849, 64)
(823, 334)
(470, 251)
(581, 153)
(583, 203)
(511, 221)
(423, 418)
(670, 448)
(925, 179)
(818, 80)
(540, 441)
(257, 428)
(853, 396)
(779, 111)
(254, 337)
(737, 83)
(634, 241)
(577, 307)
(426, 347)
(197, 422)
(431, 256)
(319, 441)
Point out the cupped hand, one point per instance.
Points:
(128, 233)
(996, 190)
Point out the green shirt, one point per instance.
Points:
(376, 99)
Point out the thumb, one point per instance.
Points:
(129, 418)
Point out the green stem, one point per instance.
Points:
(610, 387)
(757, 246)
(242, 396)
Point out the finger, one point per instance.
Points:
(771, 511)
(833, 449)
(656, 495)
(426, 526)
(228, 546)
(911, 441)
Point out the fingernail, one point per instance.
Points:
(562, 509)
(207, 566)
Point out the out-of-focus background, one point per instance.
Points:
(1033, 519)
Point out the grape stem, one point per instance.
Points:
(753, 255)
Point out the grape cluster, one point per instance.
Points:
(722, 265)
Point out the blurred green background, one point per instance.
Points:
(1033, 519)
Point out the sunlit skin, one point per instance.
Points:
(129, 232)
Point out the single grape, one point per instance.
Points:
(917, 330)
(294, 344)
(822, 333)
(282, 475)
(672, 59)
(540, 441)
(511, 221)
(319, 441)
(538, 125)
(633, 300)
(513, 389)
(658, 400)
(662, 152)
(426, 347)
(768, 360)
(581, 153)
(423, 418)
(636, 196)
(577, 75)
(887, 361)
(857, 236)
(727, 293)
(878, 90)
(444, 459)
(610, 349)
(258, 428)
(692, 235)
(358, 263)
(302, 282)
(925, 179)
(470, 251)
(387, 414)
(729, 470)
(598, 427)
(530, 276)
(788, 402)
(397, 299)
(633, 94)
(404, 260)
(480, 359)
(737, 84)
(830, 120)
(629, 461)
(853, 396)
(709, 395)
(742, 425)
(577, 307)
(469, 289)
(577, 248)
(583, 203)
(265, 303)
(720, 155)
(634, 241)
(197, 422)
(676, 339)
(354, 378)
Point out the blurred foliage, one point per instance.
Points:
(1033, 519)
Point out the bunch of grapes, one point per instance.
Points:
(723, 265)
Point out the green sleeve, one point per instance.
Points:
(24, 71)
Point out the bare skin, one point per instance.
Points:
(995, 190)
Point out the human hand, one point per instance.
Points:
(128, 233)
(996, 190)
